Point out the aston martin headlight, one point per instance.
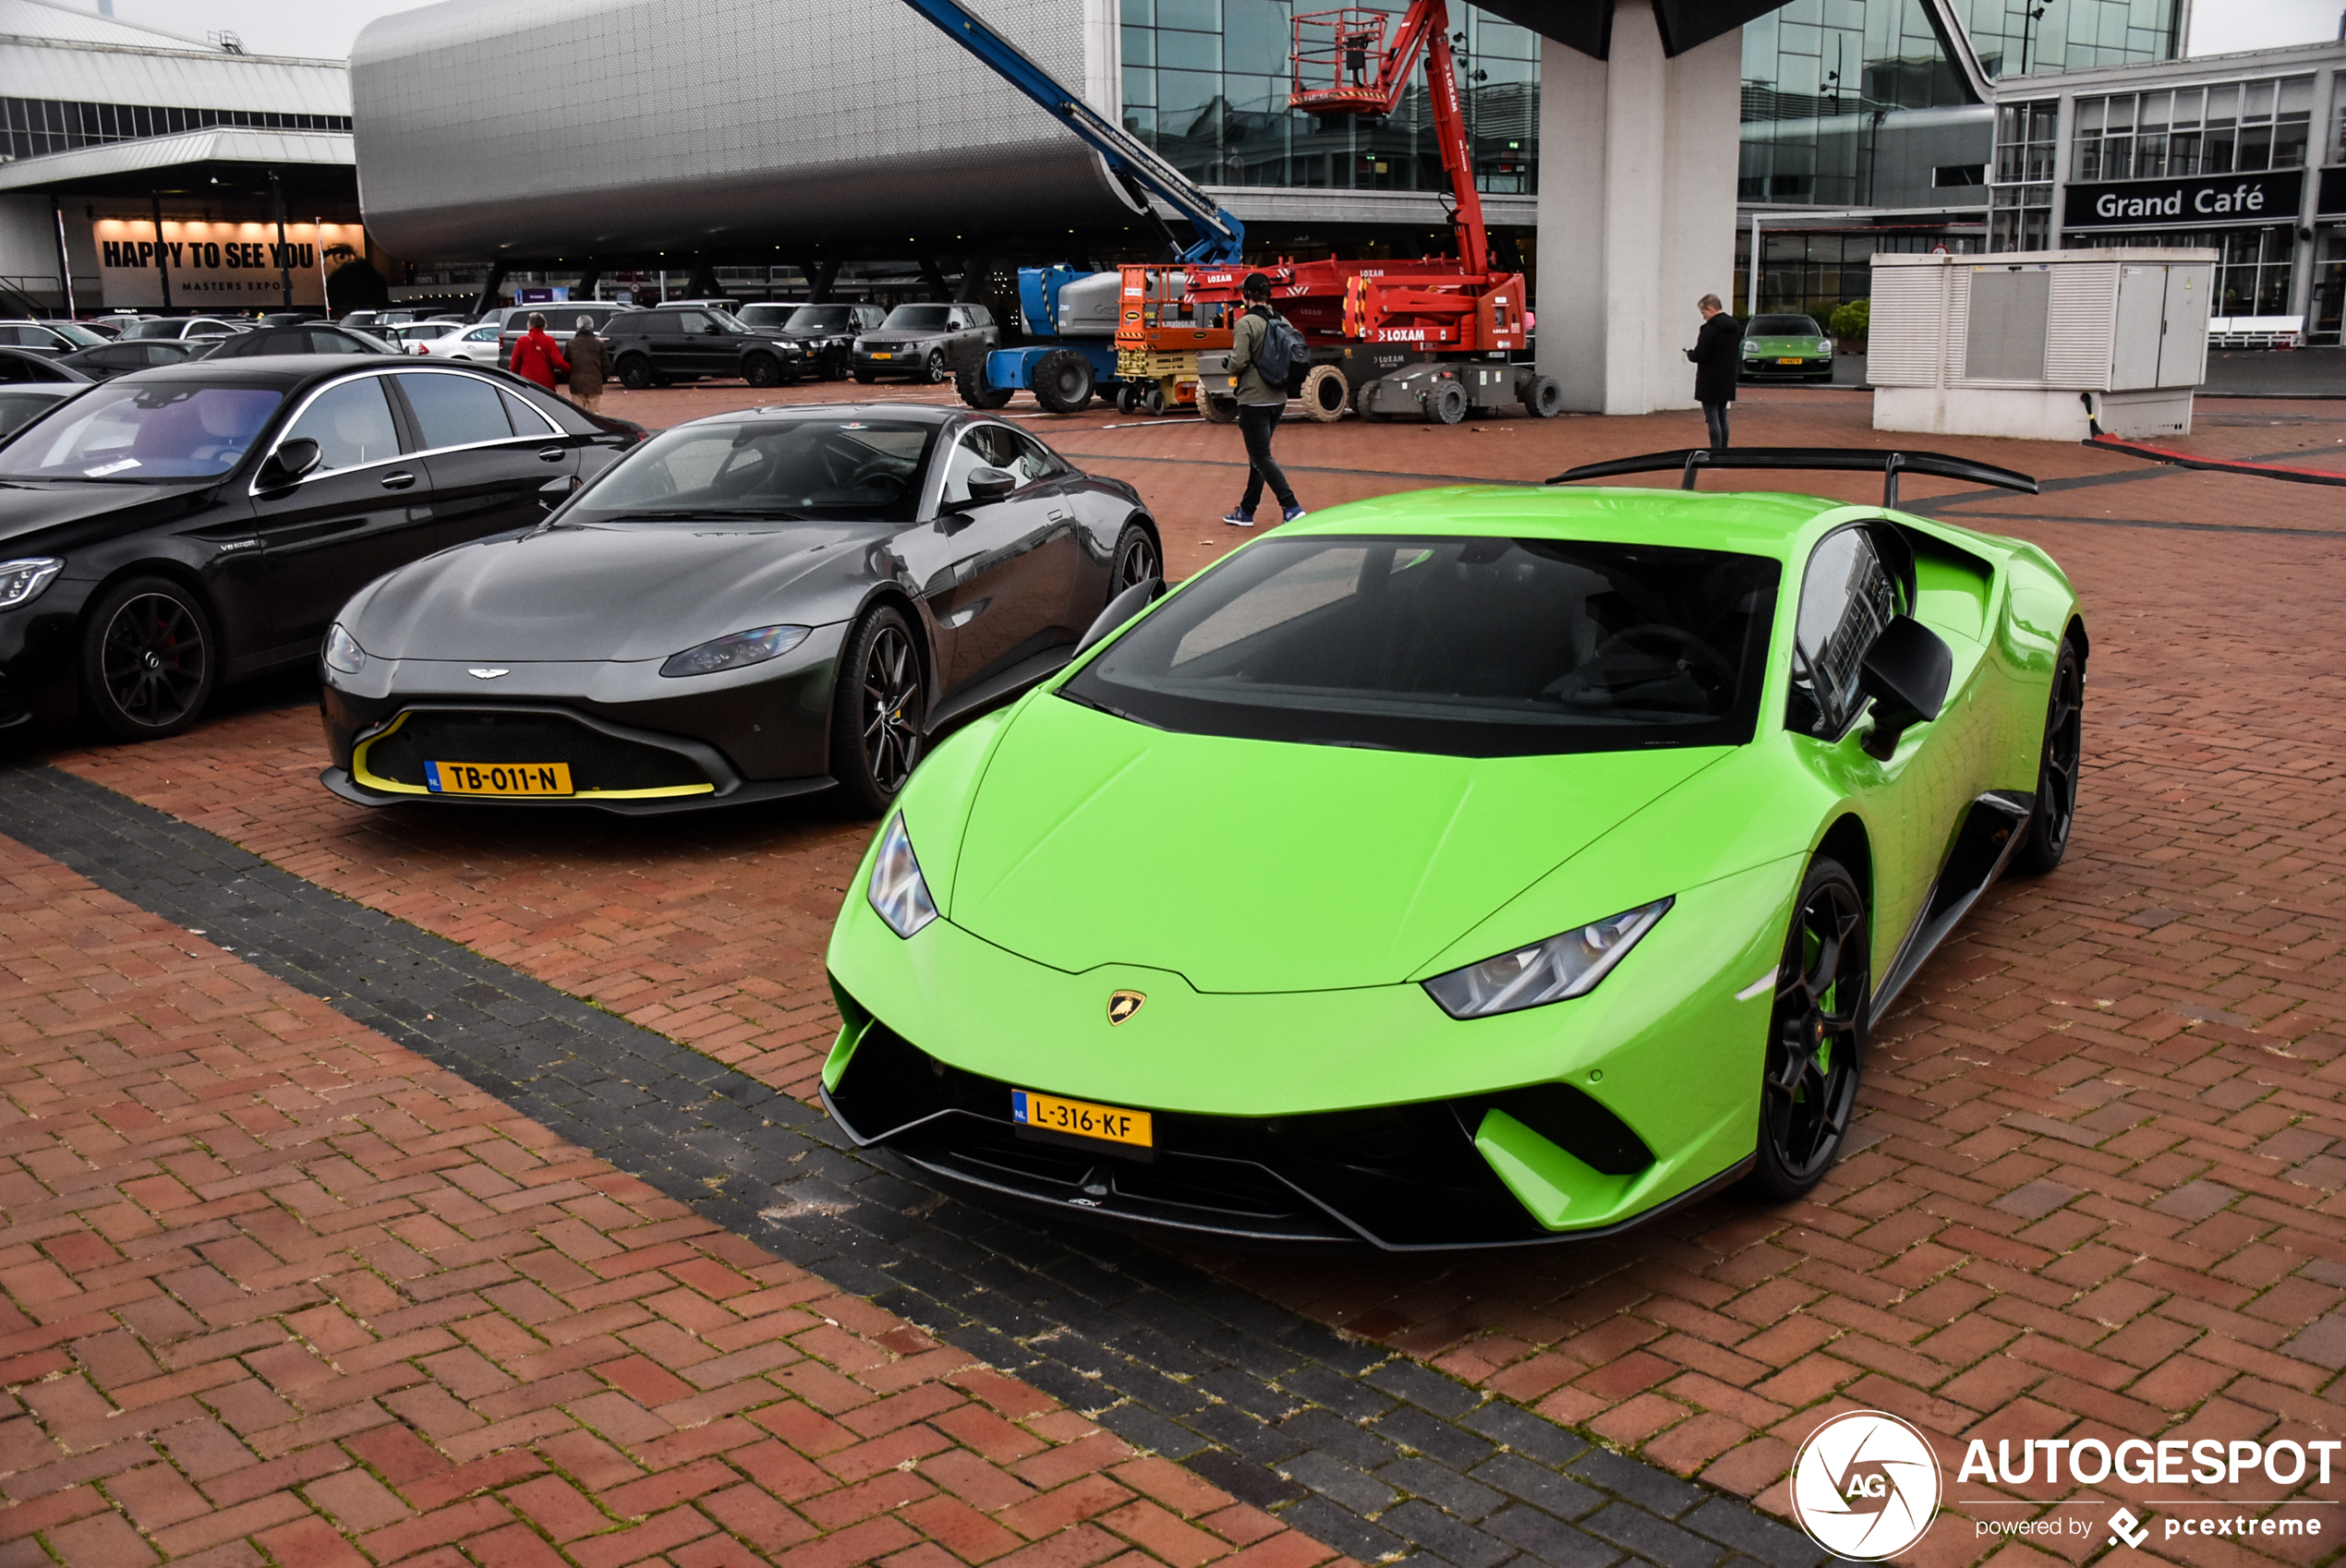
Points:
(1553, 970)
(734, 650)
(896, 891)
(343, 653)
(21, 581)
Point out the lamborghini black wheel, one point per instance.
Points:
(2046, 838)
(877, 709)
(1816, 1036)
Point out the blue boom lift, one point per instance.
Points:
(1072, 315)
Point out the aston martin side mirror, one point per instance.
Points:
(985, 485)
(291, 461)
(1905, 672)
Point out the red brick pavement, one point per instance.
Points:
(2102, 1193)
(276, 1289)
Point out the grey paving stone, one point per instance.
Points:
(1536, 1484)
(1441, 1484)
(1332, 1478)
(1778, 1546)
(1658, 1540)
(1426, 1526)
(1650, 1488)
(996, 1285)
(1550, 1540)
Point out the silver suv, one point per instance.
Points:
(926, 341)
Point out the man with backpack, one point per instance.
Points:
(1264, 348)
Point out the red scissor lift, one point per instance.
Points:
(1428, 337)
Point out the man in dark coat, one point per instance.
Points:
(589, 366)
(1717, 356)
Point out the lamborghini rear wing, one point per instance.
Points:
(1888, 465)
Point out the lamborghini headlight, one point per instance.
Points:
(21, 581)
(896, 889)
(1553, 970)
(343, 653)
(734, 650)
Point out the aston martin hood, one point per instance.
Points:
(600, 591)
(1253, 866)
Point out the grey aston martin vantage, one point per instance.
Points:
(750, 605)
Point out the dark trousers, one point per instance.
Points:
(1256, 423)
(1715, 416)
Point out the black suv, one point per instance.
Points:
(826, 333)
(656, 347)
(926, 341)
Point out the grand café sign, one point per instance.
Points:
(2271, 197)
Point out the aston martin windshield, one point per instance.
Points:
(144, 431)
(1458, 646)
(854, 470)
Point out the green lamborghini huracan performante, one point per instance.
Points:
(1463, 868)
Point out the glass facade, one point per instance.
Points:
(31, 126)
(1206, 83)
(2027, 152)
(2175, 133)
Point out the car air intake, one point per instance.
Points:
(598, 761)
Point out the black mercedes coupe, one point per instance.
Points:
(177, 528)
(750, 605)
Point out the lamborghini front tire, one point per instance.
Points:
(1816, 1035)
(2046, 838)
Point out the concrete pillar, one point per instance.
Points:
(1637, 163)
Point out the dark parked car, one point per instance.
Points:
(19, 365)
(562, 323)
(828, 333)
(188, 326)
(310, 337)
(46, 337)
(109, 360)
(174, 529)
(926, 341)
(665, 345)
(23, 401)
(748, 606)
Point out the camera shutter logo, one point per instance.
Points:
(1865, 1486)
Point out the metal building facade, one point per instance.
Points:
(548, 129)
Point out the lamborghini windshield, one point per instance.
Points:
(851, 470)
(1457, 646)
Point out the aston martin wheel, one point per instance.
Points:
(1816, 1037)
(933, 368)
(1136, 560)
(635, 372)
(148, 659)
(2046, 838)
(877, 708)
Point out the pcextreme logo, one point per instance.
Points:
(1865, 1486)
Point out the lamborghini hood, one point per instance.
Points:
(1257, 866)
(600, 591)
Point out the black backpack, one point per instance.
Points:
(1283, 349)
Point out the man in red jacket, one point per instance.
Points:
(537, 356)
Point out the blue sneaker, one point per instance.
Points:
(1290, 515)
(1237, 518)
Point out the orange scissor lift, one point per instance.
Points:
(1390, 339)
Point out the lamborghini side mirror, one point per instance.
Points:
(1905, 672)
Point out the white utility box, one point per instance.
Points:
(2036, 344)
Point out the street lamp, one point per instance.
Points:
(2026, 20)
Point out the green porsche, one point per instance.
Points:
(1463, 868)
(1786, 348)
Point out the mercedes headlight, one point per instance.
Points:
(343, 653)
(896, 891)
(734, 650)
(21, 581)
(1555, 971)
